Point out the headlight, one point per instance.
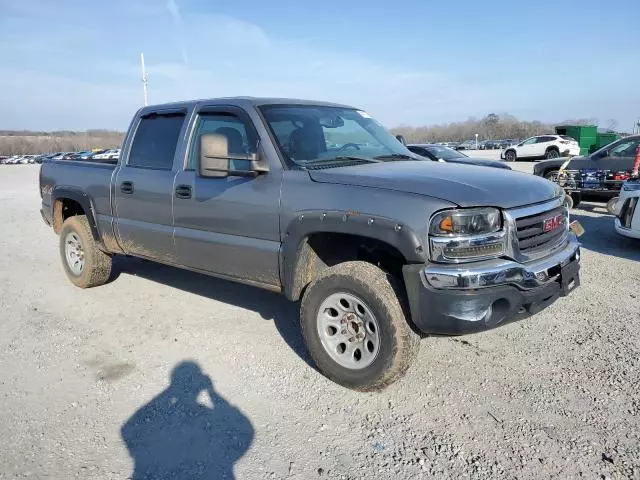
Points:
(464, 222)
(631, 186)
(466, 234)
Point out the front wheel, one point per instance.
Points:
(611, 205)
(355, 328)
(552, 176)
(510, 156)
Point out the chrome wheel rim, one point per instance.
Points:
(74, 253)
(348, 331)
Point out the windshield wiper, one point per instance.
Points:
(340, 159)
(395, 156)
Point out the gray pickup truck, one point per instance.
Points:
(319, 202)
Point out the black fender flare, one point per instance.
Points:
(84, 201)
(387, 230)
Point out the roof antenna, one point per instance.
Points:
(145, 80)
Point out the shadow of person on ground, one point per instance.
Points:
(269, 305)
(174, 436)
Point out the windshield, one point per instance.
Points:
(316, 134)
(445, 153)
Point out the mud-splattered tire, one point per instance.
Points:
(375, 299)
(84, 263)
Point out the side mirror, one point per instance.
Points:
(214, 155)
(401, 139)
(216, 162)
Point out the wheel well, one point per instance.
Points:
(322, 250)
(553, 147)
(64, 208)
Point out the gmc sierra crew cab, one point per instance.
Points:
(319, 202)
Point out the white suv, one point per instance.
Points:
(543, 146)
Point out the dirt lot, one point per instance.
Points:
(88, 378)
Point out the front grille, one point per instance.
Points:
(531, 234)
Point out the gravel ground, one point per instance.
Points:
(91, 380)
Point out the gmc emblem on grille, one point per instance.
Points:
(553, 223)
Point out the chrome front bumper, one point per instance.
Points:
(500, 272)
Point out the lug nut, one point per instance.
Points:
(343, 332)
(352, 339)
(343, 321)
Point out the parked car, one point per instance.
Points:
(468, 145)
(439, 153)
(542, 146)
(627, 211)
(61, 155)
(111, 154)
(600, 174)
(489, 145)
(84, 155)
(355, 232)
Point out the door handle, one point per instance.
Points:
(126, 187)
(183, 191)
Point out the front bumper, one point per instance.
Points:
(458, 299)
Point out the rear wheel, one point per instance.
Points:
(355, 328)
(510, 156)
(551, 154)
(84, 263)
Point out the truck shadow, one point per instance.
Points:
(269, 305)
(175, 436)
(600, 236)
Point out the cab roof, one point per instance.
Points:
(243, 102)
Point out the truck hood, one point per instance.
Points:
(463, 185)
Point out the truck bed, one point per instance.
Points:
(86, 178)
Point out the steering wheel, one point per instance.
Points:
(348, 145)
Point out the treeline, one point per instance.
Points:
(491, 127)
(28, 142)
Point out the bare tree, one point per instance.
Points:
(493, 126)
(24, 142)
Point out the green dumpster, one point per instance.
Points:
(585, 135)
(606, 139)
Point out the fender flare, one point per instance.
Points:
(60, 193)
(294, 247)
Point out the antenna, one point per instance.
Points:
(145, 80)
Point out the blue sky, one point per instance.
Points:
(75, 64)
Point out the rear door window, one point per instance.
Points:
(155, 141)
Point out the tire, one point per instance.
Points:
(552, 175)
(92, 267)
(576, 198)
(611, 205)
(372, 296)
(551, 154)
(510, 156)
(568, 201)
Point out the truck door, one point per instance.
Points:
(620, 157)
(228, 226)
(144, 187)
